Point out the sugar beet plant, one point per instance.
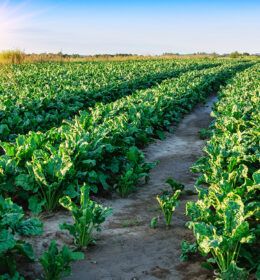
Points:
(133, 172)
(225, 219)
(101, 147)
(168, 203)
(88, 217)
(56, 264)
(187, 250)
(13, 227)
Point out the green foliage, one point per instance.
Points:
(4, 131)
(205, 134)
(88, 217)
(224, 219)
(37, 97)
(174, 185)
(7, 276)
(56, 264)
(86, 123)
(258, 272)
(101, 147)
(187, 249)
(234, 55)
(154, 221)
(235, 273)
(224, 245)
(135, 169)
(13, 226)
(168, 203)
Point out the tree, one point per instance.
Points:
(234, 55)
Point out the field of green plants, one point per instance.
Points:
(69, 131)
(37, 97)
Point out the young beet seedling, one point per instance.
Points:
(168, 204)
(89, 216)
(168, 201)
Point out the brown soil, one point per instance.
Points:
(128, 248)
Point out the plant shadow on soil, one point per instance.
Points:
(128, 248)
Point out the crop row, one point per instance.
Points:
(37, 97)
(225, 219)
(99, 148)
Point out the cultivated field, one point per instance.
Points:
(139, 169)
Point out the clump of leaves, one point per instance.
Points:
(12, 226)
(187, 250)
(175, 186)
(7, 276)
(224, 242)
(135, 169)
(89, 216)
(234, 272)
(56, 264)
(168, 204)
(168, 201)
(205, 134)
(154, 221)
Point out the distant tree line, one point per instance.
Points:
(234, 54)
(17, 56)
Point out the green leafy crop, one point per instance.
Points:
(56, 264)
(226, 216)
(168, 203)
(13, 226)
(37, 97)
(205, 134)
(174, 185)
(101, 146)
(187, 249)
(88, 217)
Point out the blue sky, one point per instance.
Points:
(142, 27)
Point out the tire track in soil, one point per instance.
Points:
(128, 248)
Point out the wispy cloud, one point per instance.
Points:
(15, 14)
(15, 17)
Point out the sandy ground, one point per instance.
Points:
(128, 248)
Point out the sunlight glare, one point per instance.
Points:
(12, 18)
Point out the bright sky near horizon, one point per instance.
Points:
(141, 27)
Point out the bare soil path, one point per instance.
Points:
(128, 248)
